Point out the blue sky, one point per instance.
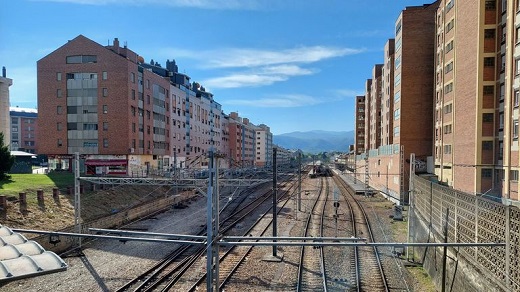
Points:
(295, 65)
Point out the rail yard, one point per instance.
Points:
(327, 209)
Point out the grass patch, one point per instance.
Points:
(32, 182)
(423, 281)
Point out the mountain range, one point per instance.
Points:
(316, 141)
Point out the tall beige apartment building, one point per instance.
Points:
(360, 125)
(368, 96)
(476, 104)
(387, 99)
(4, 106)
(373, 103)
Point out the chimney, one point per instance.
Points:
(116, 45)
(4, 72)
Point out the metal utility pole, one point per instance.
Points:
(366, 175)
(445, 251)
(411, 207)
(274, 198)
(299, 181)
(212, 265)
(77, 198)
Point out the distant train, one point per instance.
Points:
(320, 170)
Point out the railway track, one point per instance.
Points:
(173, 269)
(231, 258)
(176, 262)
(368, 269)
(311, 269)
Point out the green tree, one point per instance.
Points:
(6, 160)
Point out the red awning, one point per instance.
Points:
(99, 162)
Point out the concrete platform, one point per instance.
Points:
(357, 185)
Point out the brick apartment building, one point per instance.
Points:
(264, 146)
(242, 140)
(399, 101)
(125, 116)
(24, 131)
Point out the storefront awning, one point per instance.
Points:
(99, 162)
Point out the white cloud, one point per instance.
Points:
(290, 100)
(257, 77)
(252, 57)
(348, 92)
(242, 80)
(203, 4)
(255, 67)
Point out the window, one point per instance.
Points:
(516, 98)
(58, 76)
(513, 175)
(58, 92)
(105, 143)
(105, 92)
(72, 126)
(447, 149)
(448, 68)
(491, 4)
(147, 83)
(59, 126)
(487, 145)
(397, 79)
(515, 129)
(517, 67)
(90, 127)
(489, 33)
(133, 94)
(132, 77)
(449, 46)
(488, 89)
(398, 43)
(397, 114)
(448, 88)
(81, 59)
(450, 25)
(59, 143)
(396, 131)
(105, 108)
(398, 27)
(487, 117)
(105, 126)
(489, 61)
(105, 75)
(90, 144)
(487, 172)
(397, 62)
(448, 108)
(447, 129)
(59, 109)
(449, 5)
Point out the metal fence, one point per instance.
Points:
(473, 219)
